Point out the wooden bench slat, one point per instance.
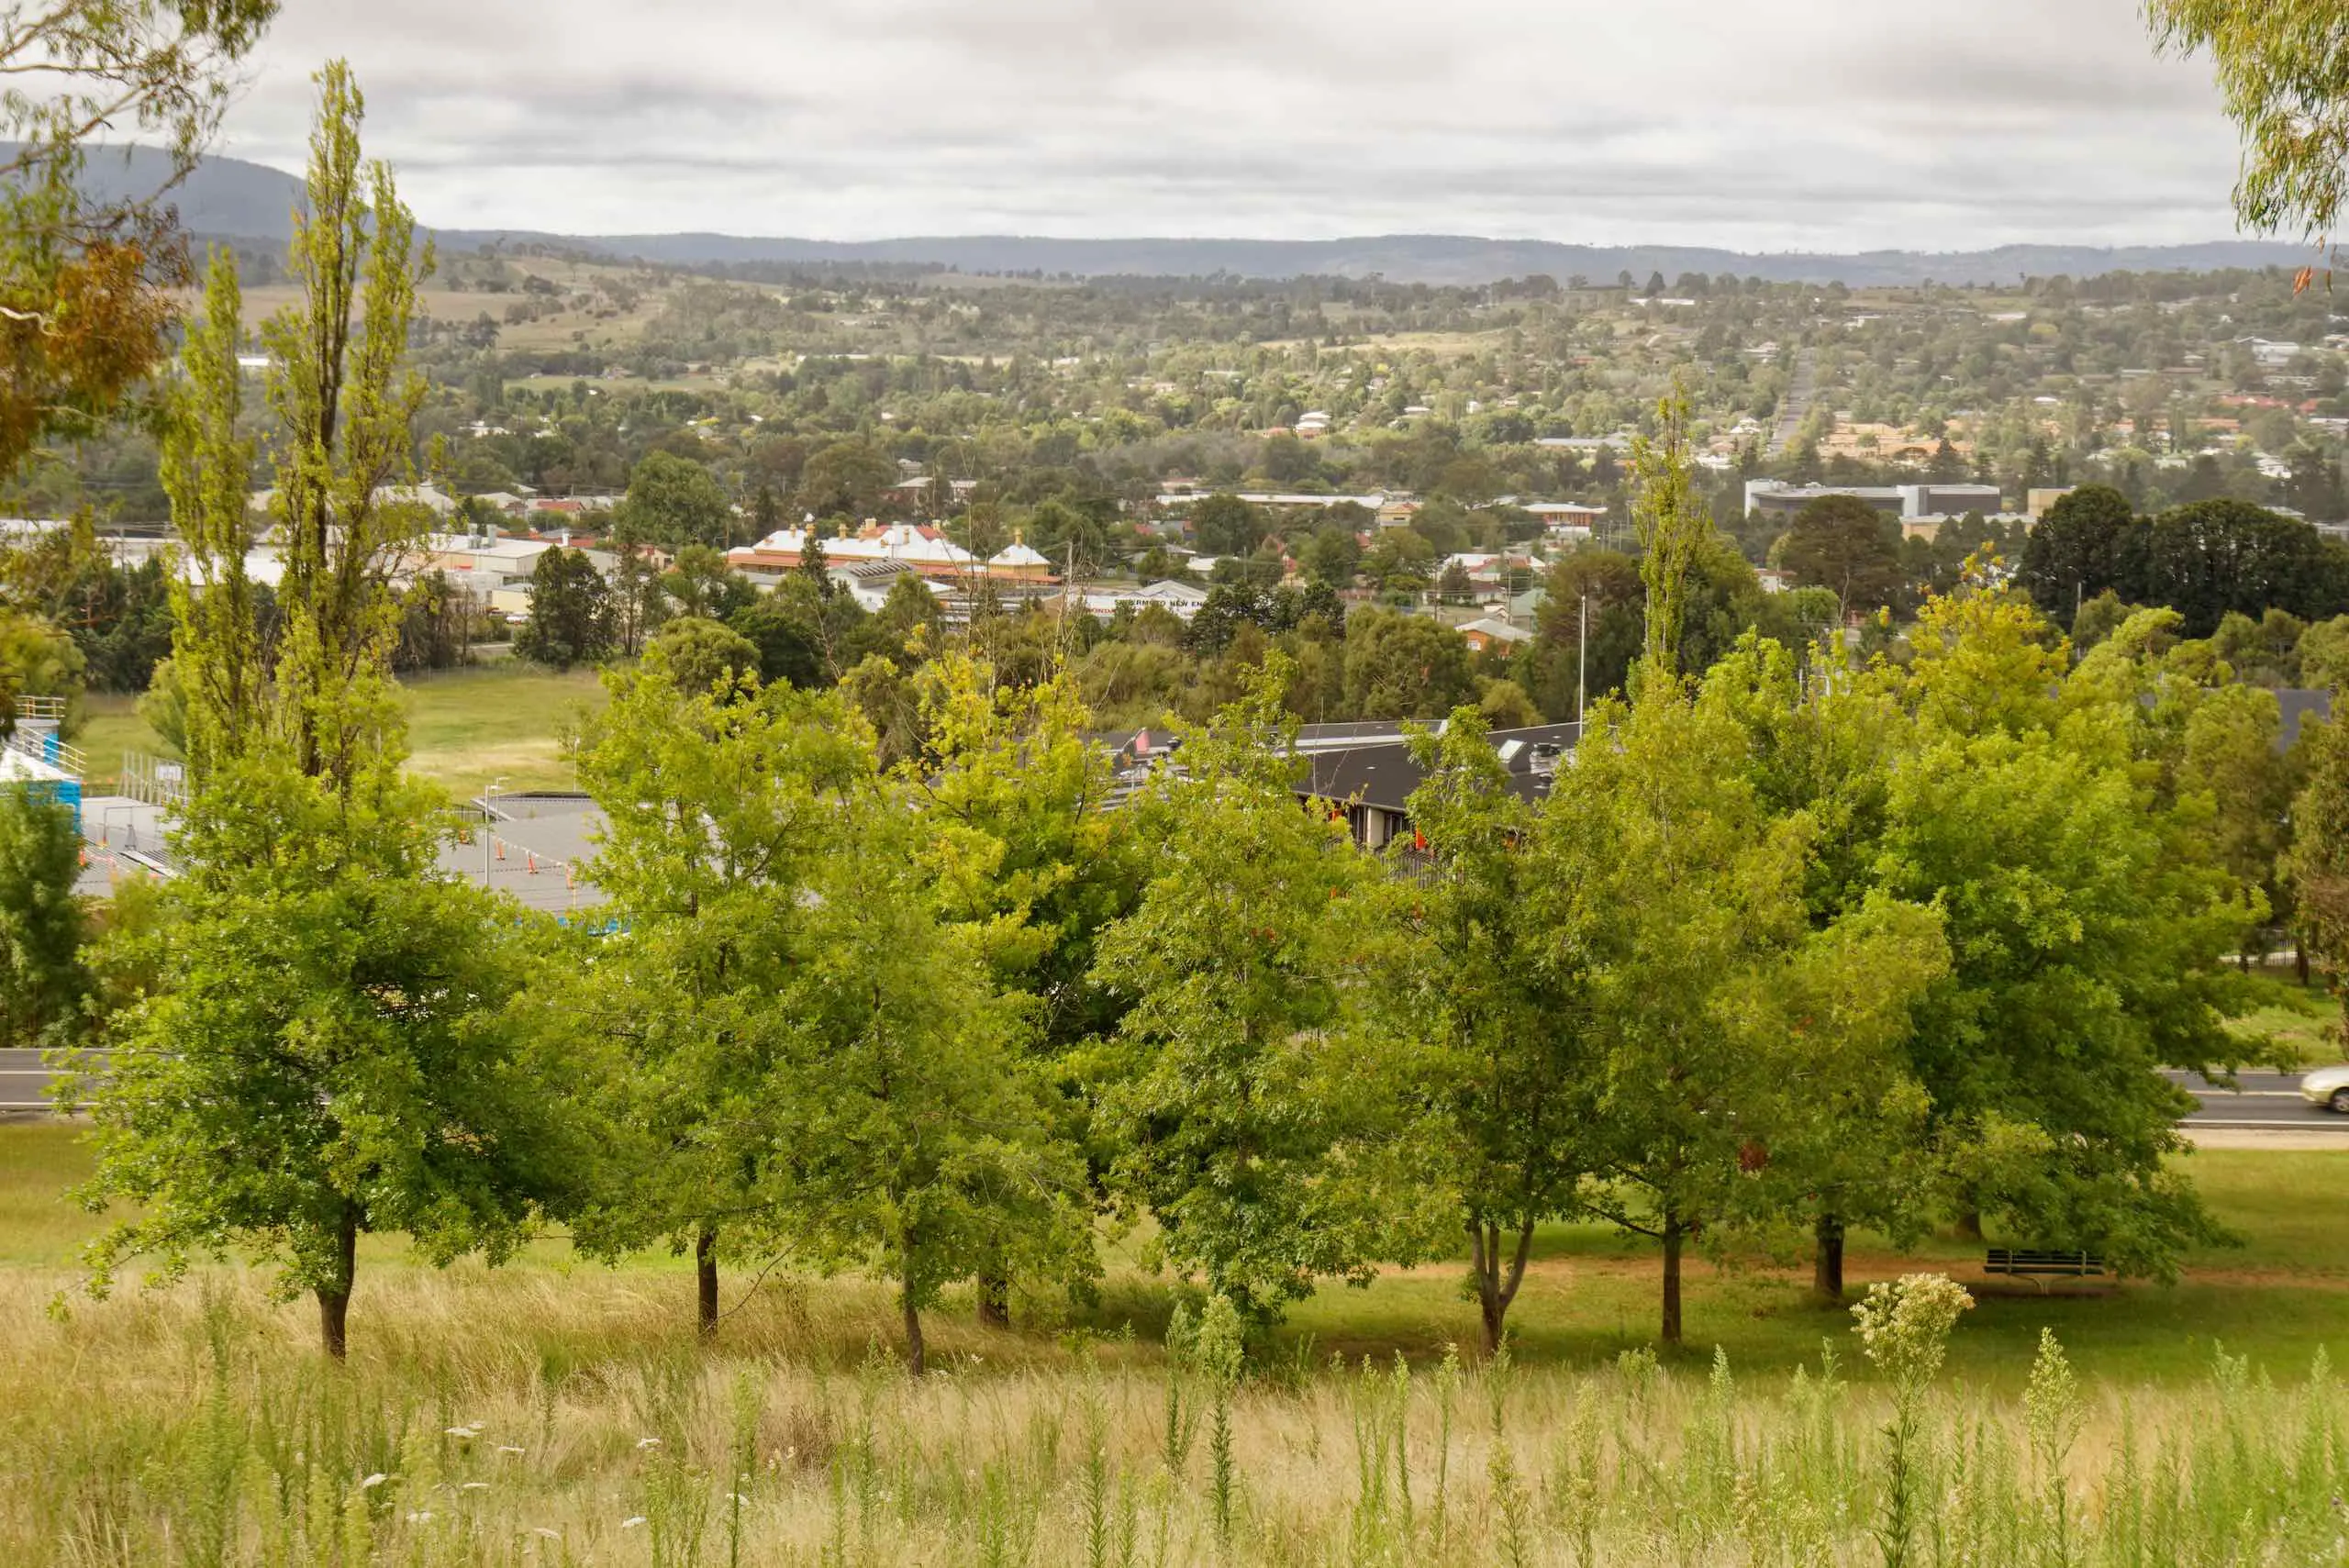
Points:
(2029, 1261)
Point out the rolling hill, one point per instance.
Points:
(233, 197)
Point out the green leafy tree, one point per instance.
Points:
(1399, 666)
(2232, 753)
(2283, 66)
(1024, 853)
(1241, 1092)
(1842, 544)
(847, 479)
(2211, 557)
(2324, 653)
(1225, 525)
(331, 1050)
(1661, 866)
(1859, 1147)
(1674, 527)
(1334, 555)
(334, 1050)
(84, 311)
(701, 583)
(2084, 547)
(699, 654)
(1509, 1070)
(42, 923)
(718, 815)
(570, 620)
(924, 1147)
(2085, 914)
(673, 501)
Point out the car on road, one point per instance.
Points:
(2328, 1087)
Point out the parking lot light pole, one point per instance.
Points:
(488, 799)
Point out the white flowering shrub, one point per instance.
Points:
(1903, 1327)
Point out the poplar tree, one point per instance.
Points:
(333, 1048)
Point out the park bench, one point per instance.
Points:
(2039, 1267)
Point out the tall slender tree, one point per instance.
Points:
(333, 1049)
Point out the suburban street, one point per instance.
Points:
(2265, 1102)
(24, 1081)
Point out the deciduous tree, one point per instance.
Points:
(1244, 1093)
(1509, 1079)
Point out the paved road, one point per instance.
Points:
(2264, 1102)
(24, 1081)
(1802, 387)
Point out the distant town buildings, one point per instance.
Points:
(923, 549)
(1778, 500)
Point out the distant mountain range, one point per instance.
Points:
(231, 197)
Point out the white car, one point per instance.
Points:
(2328, 1087)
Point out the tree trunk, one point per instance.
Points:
(1969, 1220)
(334, 1297)
(995, 1302)
(2300, 958)
(914, 1358)
(1673, 1236)
(1826, 1263)
(705, 1281)
(1494, 1290)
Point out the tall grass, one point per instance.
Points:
(196, 1427)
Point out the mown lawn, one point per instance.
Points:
(470, 727)
(466, 728)
(1590, 1293)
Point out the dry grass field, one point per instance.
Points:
(555, 1412)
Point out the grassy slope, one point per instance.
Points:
(1588, 1296)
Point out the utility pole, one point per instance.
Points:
(1582, 658)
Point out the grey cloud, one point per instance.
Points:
(1762, 124)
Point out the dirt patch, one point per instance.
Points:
(2326, 1139)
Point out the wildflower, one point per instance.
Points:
(507, 1447)
(632, 1521)
(648, 1442)
(475, 1486)
(1903, 1327)
(375, 1480)
(468, 1434)
(422, 1516)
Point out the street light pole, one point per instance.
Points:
(488, 815)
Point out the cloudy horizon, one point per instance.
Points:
(1775, 125)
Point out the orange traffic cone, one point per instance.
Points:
(534, 862)
(501, 847)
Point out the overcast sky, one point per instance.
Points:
(1760, 125)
